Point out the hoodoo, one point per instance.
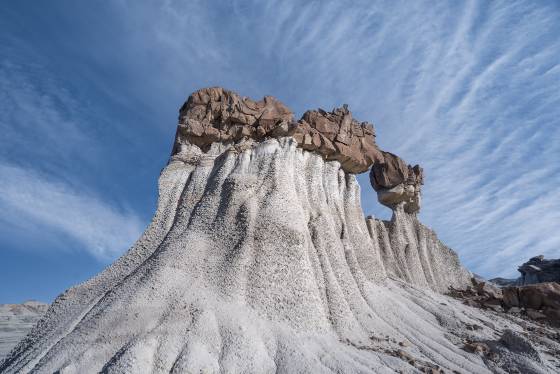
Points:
(259, 260)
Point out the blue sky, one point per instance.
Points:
(89, 94)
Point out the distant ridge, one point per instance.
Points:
(15, 322)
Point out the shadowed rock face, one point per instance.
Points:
(535, 296)
(539, 301)
(218, 115)
(397, 183)
(538, 270)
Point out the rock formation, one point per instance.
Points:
(539, 301)
(217, 115)
(15, 322)
(259, 260)
(536, 270)
(412, 253)
(539, 270)
(543, 298)
(397, 183)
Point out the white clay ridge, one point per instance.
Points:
(259, 260)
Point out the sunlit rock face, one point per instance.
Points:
(259, 260)
(396, 183)
(217, 115)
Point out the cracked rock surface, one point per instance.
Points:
(539, 270)
(397, 183)
(218, 115)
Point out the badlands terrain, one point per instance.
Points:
(15, 322)
(259, 259)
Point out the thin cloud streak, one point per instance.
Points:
(468, 90)
(33, 201)
(37, 115)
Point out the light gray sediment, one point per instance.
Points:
(259, 260)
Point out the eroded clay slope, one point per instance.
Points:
(412, 252)
(260, 260)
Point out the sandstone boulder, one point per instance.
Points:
(218, 115)
(535, 297)
(540, 296)
(389, 172)
(338, 136)
(397, 183)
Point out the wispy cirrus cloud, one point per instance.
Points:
(469, 90)
(489, 136)
(32, 201)
(51, 143)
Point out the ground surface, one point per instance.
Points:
(259, 260)
(15, 322)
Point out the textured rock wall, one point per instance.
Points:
(217, 115)
(412, 252)
(257, 251)
(259, 259)
(539, 270)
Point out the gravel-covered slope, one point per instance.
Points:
(258, 260)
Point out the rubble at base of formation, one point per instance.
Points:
(539, 302)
